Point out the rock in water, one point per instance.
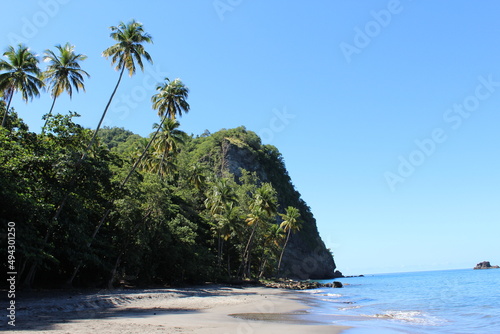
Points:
(485, 265)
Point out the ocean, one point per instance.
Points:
(462, 301)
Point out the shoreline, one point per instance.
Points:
(201, 309)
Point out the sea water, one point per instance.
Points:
(450, 301)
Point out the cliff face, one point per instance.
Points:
(306, 255)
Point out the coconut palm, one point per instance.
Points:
(22, 74)
(220, 202)
(290, 224)
(168, 142)
(177, 97)
(170, 100)
(197, 176)
(128, 51)
(263, 208)
(63, 73)
(273, 237)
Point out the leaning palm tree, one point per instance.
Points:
(63, 73)
(220, 203)
(290, 224)
(174, 101)
(263, 208)
(21, 75)
(128, 51)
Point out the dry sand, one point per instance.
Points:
(208, 309)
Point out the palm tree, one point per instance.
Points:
(168, 141)
(21, 74)
(63, 73)
(220, 202)
(290, 224)
(177, 98)
(263, 207)
(272, 240)
(171, 99)
(197, 176)
(125, 53)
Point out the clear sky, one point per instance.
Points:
(386, 112)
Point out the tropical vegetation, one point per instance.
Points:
(106, 206)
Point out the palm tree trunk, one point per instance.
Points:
(162, 161)
(283, 250)
(113, 272)
(103, 114)
(244, 261)
(108, 211)
(50, 113)
(78, 163)
(11, 93)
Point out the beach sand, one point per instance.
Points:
(207, 309)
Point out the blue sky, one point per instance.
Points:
(386, 112)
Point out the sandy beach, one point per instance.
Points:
(207, 309)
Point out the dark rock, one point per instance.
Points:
(337, 274)
(485, 265)
(300, 285)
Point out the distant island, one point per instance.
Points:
(485, 265)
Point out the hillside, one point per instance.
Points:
(151, 212)
(238, 149)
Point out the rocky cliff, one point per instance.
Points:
(306, 255)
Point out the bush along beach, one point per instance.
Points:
(104, 207)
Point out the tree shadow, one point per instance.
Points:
(47, 309)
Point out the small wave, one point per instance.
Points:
(350, 307)
(415, 317)
(331, 295)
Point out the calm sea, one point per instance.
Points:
(451, 301)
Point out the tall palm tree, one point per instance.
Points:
(263, 207)
(272, 240)
(290, 224)
(170, 101)
(177, 97)
(63, 73)
(171, 98)
(168, 142)
(220, 202)
(124, 54)
(22, 74)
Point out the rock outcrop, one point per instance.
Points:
(301, 285)
(306, 256)
(485, 265)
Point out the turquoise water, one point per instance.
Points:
(451, 301)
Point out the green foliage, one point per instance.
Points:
(124, 209)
